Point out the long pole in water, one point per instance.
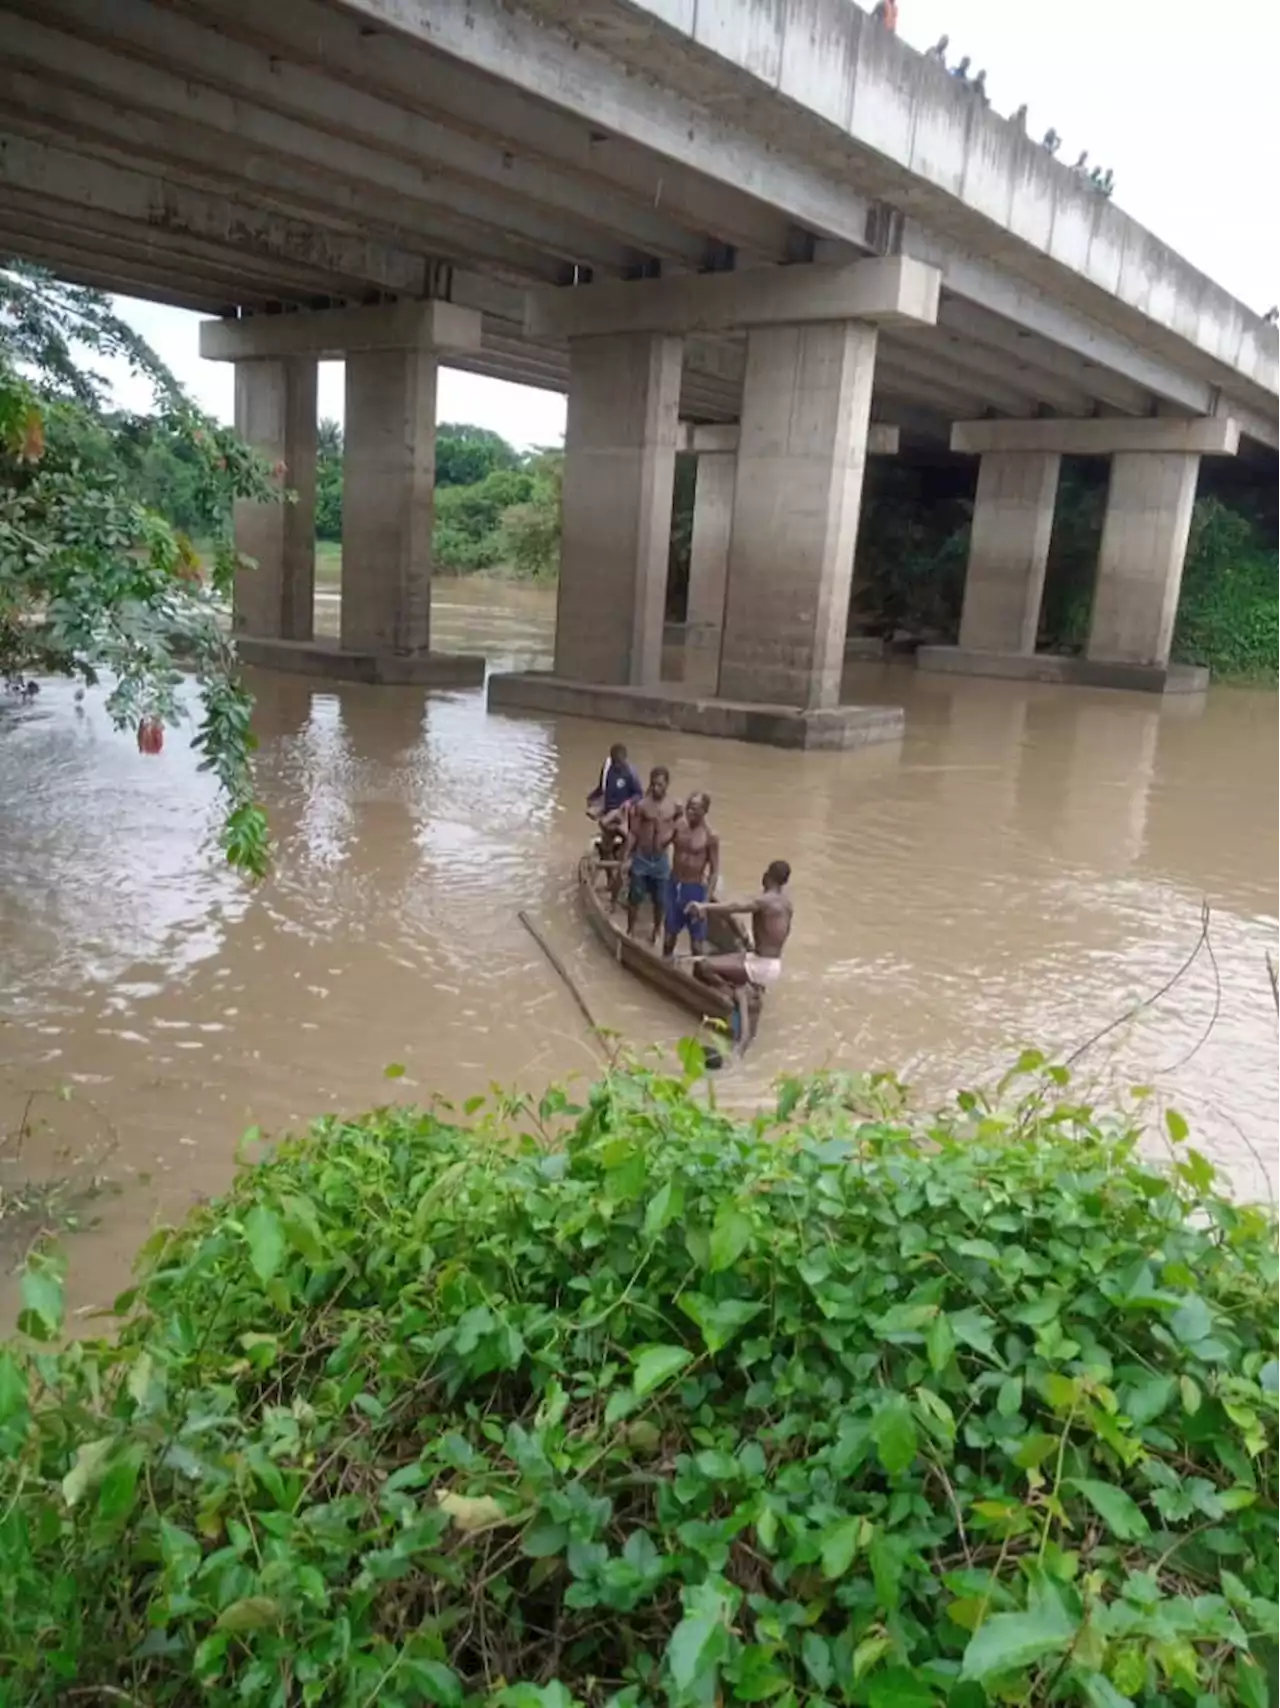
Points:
(559, 966)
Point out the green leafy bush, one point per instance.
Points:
(1229, 611)
(835, 1405)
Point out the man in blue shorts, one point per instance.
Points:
(646, 855)
(695, 871)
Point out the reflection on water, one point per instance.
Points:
(1025, 867)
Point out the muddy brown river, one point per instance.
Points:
(1027, 866)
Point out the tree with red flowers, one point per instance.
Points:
(95, 584)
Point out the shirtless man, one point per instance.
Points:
(749, 974)
(651, 827)
(695, 869)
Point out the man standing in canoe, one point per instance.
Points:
(695, 869)
(749, 974)
(651, 828)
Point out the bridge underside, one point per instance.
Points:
(236, 158)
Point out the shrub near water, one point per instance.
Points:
(823, 1407)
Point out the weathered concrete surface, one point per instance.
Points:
(805, 409)
(323, 658)
(388, 481)
(1098, 438)
(275, 411)
(885, 290)
(1144, 546)
(883, 440)
(671, 707)
(1008, 551)
(709, 546)
(1069, 672)
(619, 470)
(851, 93)
(331, 334)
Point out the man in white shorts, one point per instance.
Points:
(755, 970)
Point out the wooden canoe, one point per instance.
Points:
(668, 977)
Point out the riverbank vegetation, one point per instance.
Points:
(497, 510)
(913, 544)
(98, 575)
(626, 1400)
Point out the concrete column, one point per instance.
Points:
(619, 472)
(388, 481)
(802, 450)
(1008, 550)
(1144, 543)
(709, 549)
(276, 414)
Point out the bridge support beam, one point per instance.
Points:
(621, 435)
(391, 353)
(1008, 550)
(805, 416)
(276, 413)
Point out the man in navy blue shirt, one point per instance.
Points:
(619, 783)
(608, 802)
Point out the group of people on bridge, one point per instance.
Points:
(663, 854)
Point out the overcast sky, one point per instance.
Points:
(1178, 99)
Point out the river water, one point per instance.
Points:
(1025, 867)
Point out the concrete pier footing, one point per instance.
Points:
(1067, 672)
(337, 664)
(672, 707)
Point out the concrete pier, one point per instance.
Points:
(388, 484)
(276, 413)
(805, 412)
(1008, 550)
(391, 353)
(1144, 545)
(620, 446)
(709, 565)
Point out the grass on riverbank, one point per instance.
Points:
(623, 1401)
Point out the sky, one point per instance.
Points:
(1177, 98)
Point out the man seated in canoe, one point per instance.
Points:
(748, 974)
(695, 868)
(651, 826)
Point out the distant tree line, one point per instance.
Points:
(495, 507)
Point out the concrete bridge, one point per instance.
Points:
(769, 220)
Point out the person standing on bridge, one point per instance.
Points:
(886, 13)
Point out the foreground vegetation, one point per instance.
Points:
(632, 1401)
(97, 577)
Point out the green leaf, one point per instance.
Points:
(656, 1364)
(1009, 1399)
(729, 1235)
(250, 1613)
(438, 1683)
(895, 1687)
(815, 1652)
(1176, 1125)
(697, 1645)
(1192, 1321)
(1119, 1511)
(1099, 1692)
(13, 1388)
(265, 1235)
(839, 1546)
(544, 1539)
(666, 1204)
(393, 1070)
(893, 1430)
(119, 1487)
(41, 1299)
(1147, 1399)
(1189, 1391)
(719, 1319)
(975, 1328)
(1011, 1642)
(1251, 1684)
(940, 1342)
(86, 1468)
